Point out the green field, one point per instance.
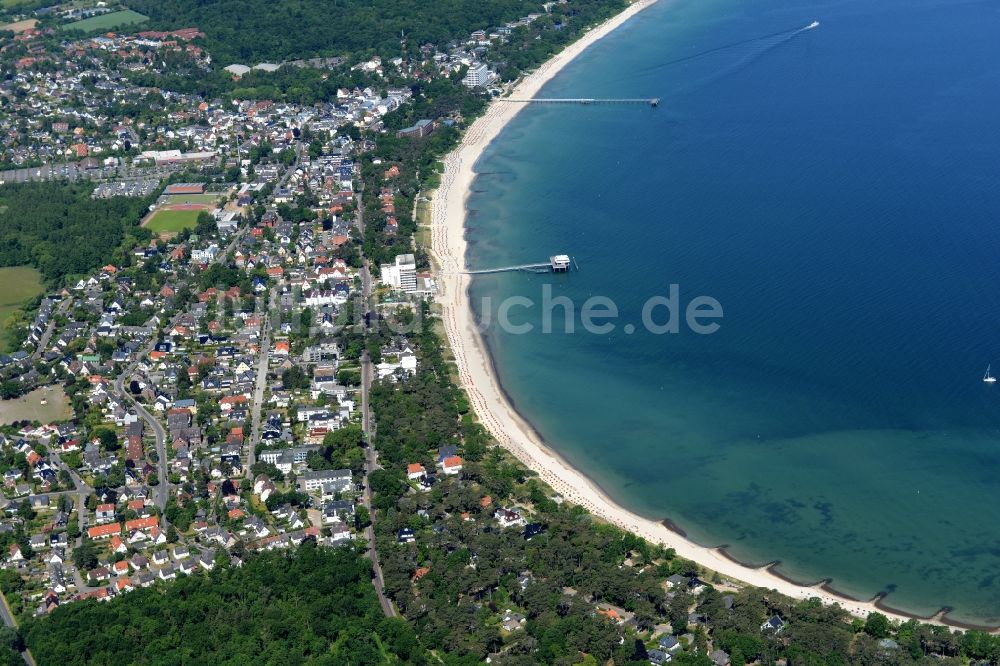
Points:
(107, 21)
(208, 199)
(29, 407)
(172, 221)
(17, 285)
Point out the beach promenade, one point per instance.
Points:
(479, 380)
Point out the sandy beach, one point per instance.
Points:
(479, 380)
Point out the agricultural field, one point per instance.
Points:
(107, 21)
(172, 221)
(19, 26)
(17, 285)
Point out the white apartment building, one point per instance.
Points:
(402, 274)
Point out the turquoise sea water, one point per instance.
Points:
(838, 192)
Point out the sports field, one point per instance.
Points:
(172, 221)
(17, 285)
(107, 21)
(208, 199)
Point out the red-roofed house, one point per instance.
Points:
(415, 471)
(231, 401)
(117, 545)
(452, 465)
(134, 449)
(142, 523)
(104, 531)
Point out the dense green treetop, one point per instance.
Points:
(57, 228)
(252, 31)
(312, 605)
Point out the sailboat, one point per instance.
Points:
(988, 378)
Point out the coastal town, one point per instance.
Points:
(87, 108)
(276, 355)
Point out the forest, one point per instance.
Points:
(57, 228)
(252, 31)
(312, 605)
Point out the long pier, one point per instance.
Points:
(650, 101)
(558, 263)
(531, 268)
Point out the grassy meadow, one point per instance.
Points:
(172, 221)
(107, 21)
(17, 285)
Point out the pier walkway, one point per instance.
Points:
(557, 263)
(532, 268)
(651, 101)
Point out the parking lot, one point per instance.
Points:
(126, 188)
(72, 171)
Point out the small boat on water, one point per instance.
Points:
(988, 378)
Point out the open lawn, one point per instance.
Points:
(107, 21)
(30, 408)
(208, 199)
(172, 221)
(19, 26)
(17, 285)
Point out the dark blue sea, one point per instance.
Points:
(837, 191)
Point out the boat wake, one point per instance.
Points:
(753, 47)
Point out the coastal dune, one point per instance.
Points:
(479, 380)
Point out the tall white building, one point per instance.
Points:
(402, 274)
(478, 75)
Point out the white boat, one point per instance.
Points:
(988, 378)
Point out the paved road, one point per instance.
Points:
(368, 426)
(361, 209)
(261, 383)
(290, 171)
(161, 489)
(82, 514)
(82, 490)
(44, 341)
(8, 619)
(371, 464)
(237, 237)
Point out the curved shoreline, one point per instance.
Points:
(493, 407)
